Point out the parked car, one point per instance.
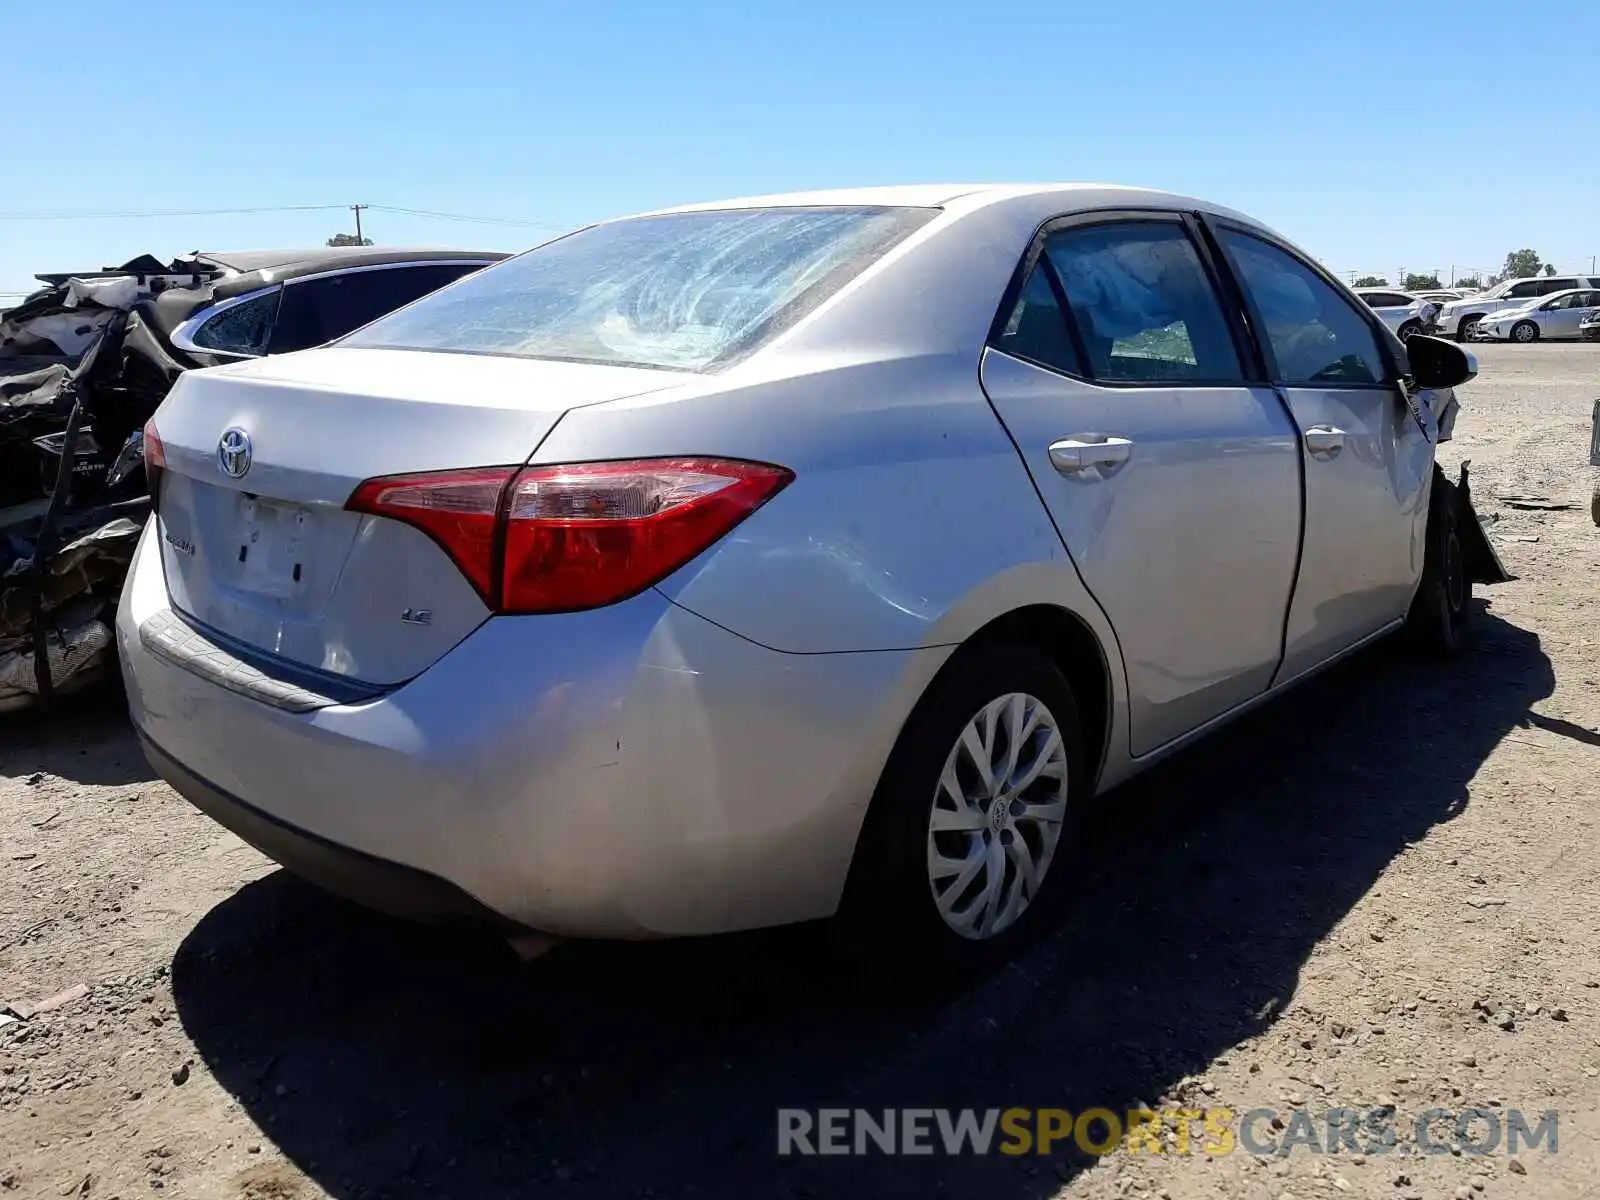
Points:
(755, 562)
(1557, 316)
(1401, 312)
(1457, 318)
(1440, 297)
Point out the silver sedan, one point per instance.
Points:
(1557, 316)
(806, 556)
(1400, 311)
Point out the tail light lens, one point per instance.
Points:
(155, 461)
(558, 538)
(458, 509)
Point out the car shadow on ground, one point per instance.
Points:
(389, 1061)
(84, 737)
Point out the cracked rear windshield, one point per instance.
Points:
(686, 291)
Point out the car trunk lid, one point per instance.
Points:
(261, 458)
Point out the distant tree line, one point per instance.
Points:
(1520, 264)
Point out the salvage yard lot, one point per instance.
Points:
(1345, 899)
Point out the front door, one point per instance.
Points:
(1173, 481)
(1367, 462)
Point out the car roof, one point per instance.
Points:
(1542, 278)
(934, 195)
(289, 263)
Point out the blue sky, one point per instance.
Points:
(1378, 136)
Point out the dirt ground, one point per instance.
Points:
(1379, 891)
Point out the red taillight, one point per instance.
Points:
(457, 509)
(155, 459)
(556, 538)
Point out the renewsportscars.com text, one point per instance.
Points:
(1213, 1131)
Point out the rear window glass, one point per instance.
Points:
(688, 291)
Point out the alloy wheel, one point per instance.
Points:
(997, 815)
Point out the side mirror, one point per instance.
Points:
(1436, 363)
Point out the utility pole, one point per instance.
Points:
(356, 208)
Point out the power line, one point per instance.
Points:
(448, 216)
(141, 213)
(150, 213)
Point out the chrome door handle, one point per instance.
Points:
(1074, 454)
(1324, 440)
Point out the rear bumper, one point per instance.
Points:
(633, 771)
(386, 886)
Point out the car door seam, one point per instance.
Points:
(1027, 472)
(1300, 542)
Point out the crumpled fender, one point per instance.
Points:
(1482, 563)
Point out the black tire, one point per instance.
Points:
(1439, 624)
(1467, 325)
(888, 919)
(1410, 329)
(1525, 332)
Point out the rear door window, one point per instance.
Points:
(1143, 304)
(1317, 336)
(1525, 290)
(316, 311)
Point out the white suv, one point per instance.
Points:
(1457, 318)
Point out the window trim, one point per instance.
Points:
(1390, 348)
(1251, 371)
(183, 336)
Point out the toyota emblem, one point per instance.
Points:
(233, 453)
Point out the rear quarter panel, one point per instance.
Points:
(911, 522)
(908, 497)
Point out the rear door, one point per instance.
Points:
(1367, 463)
(1172, 478)
(1588, 304)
